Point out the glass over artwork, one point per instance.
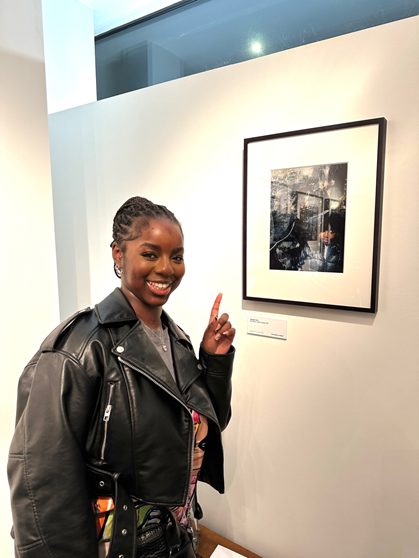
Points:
(307, 218)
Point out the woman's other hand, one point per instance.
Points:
(219, 335)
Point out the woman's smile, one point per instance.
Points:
(158, 288)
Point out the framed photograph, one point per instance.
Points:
(312, 216)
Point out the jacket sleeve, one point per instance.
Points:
(218, 372)
(52, 512)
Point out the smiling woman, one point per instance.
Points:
(148, 256)
(134, 419)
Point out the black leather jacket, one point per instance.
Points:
(98, 392)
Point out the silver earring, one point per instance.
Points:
(117, 270)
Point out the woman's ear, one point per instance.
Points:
(116, 254)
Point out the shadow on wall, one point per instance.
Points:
(71, 230)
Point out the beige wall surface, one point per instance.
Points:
(28, 275)
(322, 454)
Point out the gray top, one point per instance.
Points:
(161, 340)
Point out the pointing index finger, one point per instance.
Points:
(215, 307)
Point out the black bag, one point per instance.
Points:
(160, 536)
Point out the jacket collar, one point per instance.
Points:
(132, 345)
(115, 310)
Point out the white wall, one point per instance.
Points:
(28, 278)
(69, 54)
(322, 454)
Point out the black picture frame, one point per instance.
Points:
(327, 179)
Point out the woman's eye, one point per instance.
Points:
(149, 256)
(178, 259)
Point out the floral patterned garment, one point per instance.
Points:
(103, 507)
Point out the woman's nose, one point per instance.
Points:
(164, 265)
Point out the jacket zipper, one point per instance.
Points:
(105, 419)
(191, 438)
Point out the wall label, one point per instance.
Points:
(267, 327)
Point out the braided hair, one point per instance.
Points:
(134, 215)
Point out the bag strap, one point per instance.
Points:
(123, 540)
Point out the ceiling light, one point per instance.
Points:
(256, 47)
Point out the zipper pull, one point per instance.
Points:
(107, 414)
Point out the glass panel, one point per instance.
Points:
(205, 34)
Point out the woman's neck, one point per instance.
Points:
(150, 315)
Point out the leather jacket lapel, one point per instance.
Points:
(187, 367)
(188, 370)
(137, 351)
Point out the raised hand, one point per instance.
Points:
(219, 335)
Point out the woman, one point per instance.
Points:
(116, 417)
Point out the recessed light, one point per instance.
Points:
(256, 47)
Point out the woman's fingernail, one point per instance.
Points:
(218, 327)
(218, 337)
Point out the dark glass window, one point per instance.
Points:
(199, 35)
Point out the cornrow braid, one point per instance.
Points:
(134, 215)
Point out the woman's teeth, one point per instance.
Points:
(161, 286)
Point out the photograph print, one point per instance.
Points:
(307, 218)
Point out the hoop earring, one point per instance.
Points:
(117, 271)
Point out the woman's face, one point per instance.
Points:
(152, 265)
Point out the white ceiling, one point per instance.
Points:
(109, 14)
